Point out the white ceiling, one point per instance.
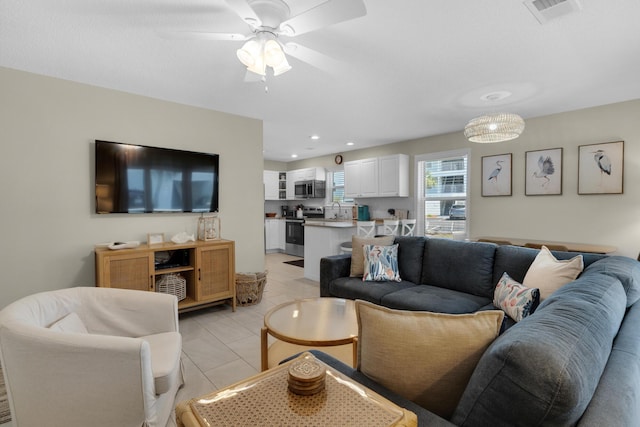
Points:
(408, 69)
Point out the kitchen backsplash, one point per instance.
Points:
(378, 207)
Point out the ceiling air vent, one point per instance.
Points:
(546, 10)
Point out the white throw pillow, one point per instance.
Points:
(425, 357)
(549, 274)
(69, 323)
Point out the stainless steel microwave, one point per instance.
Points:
(309, 189)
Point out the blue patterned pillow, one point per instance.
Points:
(515, 299)
(381, 263)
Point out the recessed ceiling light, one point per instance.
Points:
(351, 143)
(314, 137)
(294, 156)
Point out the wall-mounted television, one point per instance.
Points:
(140, 179)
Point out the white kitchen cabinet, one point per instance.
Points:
(361, 178)
(274, 232)
(310, 174)
(292, 177)
(275, 185)
(282, 185)
(270, 179)
(393, 176)
(386, 176)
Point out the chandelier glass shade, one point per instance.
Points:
(262, 51)
(494, 128)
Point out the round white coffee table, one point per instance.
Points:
(307, 323)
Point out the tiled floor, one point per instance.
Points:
(221, 347)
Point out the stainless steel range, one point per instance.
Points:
(294, 239)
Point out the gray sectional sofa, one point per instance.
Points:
(574, 361)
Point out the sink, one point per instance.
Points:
(329, 219)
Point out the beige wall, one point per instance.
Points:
(48, 226)
(602, 219)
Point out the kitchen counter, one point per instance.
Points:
(330, 223)
(321, 239)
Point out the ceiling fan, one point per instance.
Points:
(271, 20)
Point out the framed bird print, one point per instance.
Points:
(496, 175)
(543, 172)
(600, 168)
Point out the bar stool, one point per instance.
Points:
(390, 227)
(408, 227)
(364, 229)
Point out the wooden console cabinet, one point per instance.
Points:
(208, 268)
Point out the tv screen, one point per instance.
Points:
(140, 179)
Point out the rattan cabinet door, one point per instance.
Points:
(215, 272)
(130, 271)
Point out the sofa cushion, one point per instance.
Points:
(515, 260)
(625, 269)
(355, 288)
(433, 298)
(461, 266)
(545, 369)
(381, 263)
(71, 323)
(616, 401)
(410, 253)
(357, 252)
(424, 357)
(166, 349)
(516, 300)
(549, 274)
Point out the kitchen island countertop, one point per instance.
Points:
(333, 224)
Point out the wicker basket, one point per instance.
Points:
(249, 287)
(173, 284)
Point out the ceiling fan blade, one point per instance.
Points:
(313, 58)
(203, 35)
(325, 14)
(244, 11)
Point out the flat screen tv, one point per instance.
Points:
(139, 179)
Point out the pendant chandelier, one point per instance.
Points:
(494, 128)
(261, 51)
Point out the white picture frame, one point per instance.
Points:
(155, 238)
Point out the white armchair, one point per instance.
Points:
(91, 357)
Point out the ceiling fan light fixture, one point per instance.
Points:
(248, 53)
(492, 128)
(281, 68)
(273, 54)
(262, 51)
(259, 67)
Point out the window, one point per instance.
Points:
(337, 187)
(442, 184)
